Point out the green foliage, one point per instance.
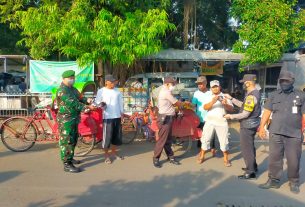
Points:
(213, 30)
(268, 28)
(114, 30)
(8, 41)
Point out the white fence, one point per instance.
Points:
(22, 104)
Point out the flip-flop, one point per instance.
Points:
(108, 160)
(227, 164)
(200, 160)
(119, 157)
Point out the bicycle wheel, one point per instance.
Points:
(181, 145)
(129, 130)
(18, 135)
(85, 145)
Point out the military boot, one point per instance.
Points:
(69, 167)
(76, 162)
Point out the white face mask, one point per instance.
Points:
(171, 87)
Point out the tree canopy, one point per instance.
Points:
(201, 25)
(267, 28)
(115, 31)
(122, 31)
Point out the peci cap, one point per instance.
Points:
(169, 80)
(214, 83)
(201, 79)
(248, 77)
(68, 73)
(110, 78)
(286, 75)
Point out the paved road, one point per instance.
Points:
(36, 179)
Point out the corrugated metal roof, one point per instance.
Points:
(193, 55)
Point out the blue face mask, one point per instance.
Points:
(286, 87)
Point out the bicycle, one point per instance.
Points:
(184, 130)
(131, 125)
(19, 134)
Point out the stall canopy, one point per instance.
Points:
(46, 75)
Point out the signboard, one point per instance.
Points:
(46, 75)
(212, 68)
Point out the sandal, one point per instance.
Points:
(227, 164)
(200, 158)
(119, 157)
(108, 161)
(213, 151)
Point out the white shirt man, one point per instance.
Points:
(216, 106)
(112, 130)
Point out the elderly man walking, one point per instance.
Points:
(112, 129)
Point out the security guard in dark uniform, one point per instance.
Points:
(249, 114)
(287, 106)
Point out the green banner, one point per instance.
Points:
(46, 75)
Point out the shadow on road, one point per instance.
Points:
(204, 188)
(96, 157)
(5, 176)
(38, 147)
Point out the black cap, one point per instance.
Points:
(248, 77)
(286, 75)
(110, 78)
(169, 80)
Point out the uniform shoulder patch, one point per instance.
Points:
(249, 103)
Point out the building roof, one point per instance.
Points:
(193, 55)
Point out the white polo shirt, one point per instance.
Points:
(166, 101)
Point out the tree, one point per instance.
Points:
(111, 31)
(201, 24)
(9, 38)
(267, 29)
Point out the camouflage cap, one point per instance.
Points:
(201, 79)
(68, 73)
(214, 83)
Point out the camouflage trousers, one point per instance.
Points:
(68, 133)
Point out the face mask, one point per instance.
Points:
(258, 87)
(245, 86)
(71, 82)
(286, 87)
(171, 87)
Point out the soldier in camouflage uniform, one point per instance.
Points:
(70, 105)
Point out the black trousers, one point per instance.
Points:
(165, 138)
(248, 150)
(292, 148)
